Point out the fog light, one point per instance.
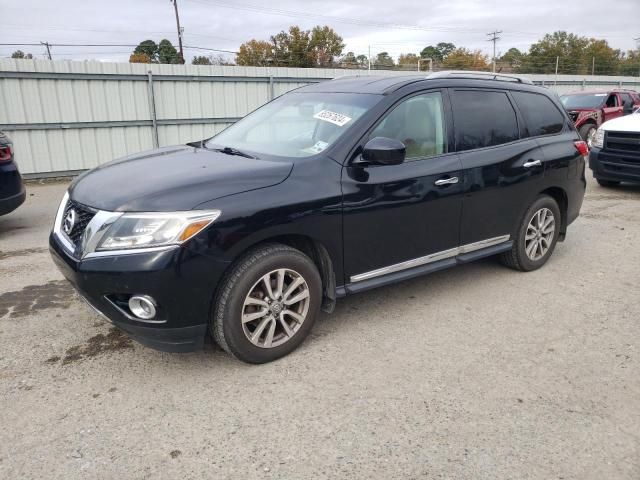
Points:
(142, 306)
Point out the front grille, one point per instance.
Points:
(628, 142)
(82, 219)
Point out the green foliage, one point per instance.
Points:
(201, 60)
(383, 59)
(163, 52)
(439, 52)
(576, 55)
(21, 54)
(325, 45)
(408, 60)
(148, 48)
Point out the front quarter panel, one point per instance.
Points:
(308, 203)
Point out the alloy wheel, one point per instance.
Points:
(275, 308)
(539, 235)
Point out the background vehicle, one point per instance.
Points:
(329, 190)
(615, 152)
(590, 109)
(12, 191)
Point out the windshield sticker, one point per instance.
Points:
(332, 117)
(317, 148)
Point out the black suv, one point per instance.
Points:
(328, 190)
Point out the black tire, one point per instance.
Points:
(607, 183)
(585, 130)
(226, 320)
(517, 257)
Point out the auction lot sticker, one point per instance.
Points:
(332, 117)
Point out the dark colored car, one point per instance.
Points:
(590, 109)
(615, 156)
(329, 190)
(12, 191)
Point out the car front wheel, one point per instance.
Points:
(536, 236)
(267, 304)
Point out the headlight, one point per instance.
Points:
(598, 140)
(143, 230)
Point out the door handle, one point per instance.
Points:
(532, 163)
(446, 181)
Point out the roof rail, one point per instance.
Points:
(470, 74)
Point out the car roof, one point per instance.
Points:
(385, 84)
(602, 90)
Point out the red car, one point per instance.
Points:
(590, 109)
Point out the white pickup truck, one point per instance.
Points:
(615, 151)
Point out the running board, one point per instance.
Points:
(435, 262)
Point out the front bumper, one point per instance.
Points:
(181, 281)
(9, 204)
(618, 167)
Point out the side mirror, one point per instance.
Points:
(384, 151)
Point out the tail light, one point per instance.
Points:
(582, 148)
(6, 153)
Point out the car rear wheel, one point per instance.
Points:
(267, 304)
(536, 236)
(607, 183)
(588, 133)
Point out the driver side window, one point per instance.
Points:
(418, 122)
(612, 101)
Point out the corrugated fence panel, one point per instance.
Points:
(67, 116)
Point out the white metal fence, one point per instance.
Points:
(65, 116)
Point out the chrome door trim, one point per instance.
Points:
(446, 181)
(532, 163)
(434, 257)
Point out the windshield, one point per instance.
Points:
(592, 100)
(296, 124)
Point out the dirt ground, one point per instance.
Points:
(478, 372)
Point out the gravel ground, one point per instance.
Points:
(478, 372)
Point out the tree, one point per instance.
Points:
(201, 60)
(408, 60)
(363, 61)
(21, 54)
(383, 59)
(513, 57)
(257, 53)
(293, 48)
(139, 58)
(167, 53)
(465, 59)
(325, 45)
(148, 48)
(439, 52)
(349, 60)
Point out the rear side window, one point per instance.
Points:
(540, 115)
(483, 119)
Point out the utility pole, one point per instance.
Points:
(637, 40)
(369, 58)
(48, 45)
(180, 30)
(555, 81)
(494, 38)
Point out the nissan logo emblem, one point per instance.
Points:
(69, 221)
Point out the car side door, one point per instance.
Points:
(612, 107)
(396, 216)
(502, 170)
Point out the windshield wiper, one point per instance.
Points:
(233, 151)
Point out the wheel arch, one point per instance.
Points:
(315, 250)
(561, 198)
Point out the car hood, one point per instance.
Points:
(628, 123)
(172, 179)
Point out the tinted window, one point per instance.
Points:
(483, 119)
(626, 99)
(418, 122)
(540, 115)
(579, 100)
